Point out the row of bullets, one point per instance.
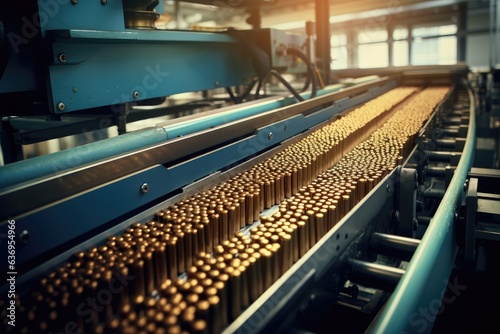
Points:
(131, 284)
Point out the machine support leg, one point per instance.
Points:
(323, 40)
(121, 114)
(470, 222)
(407, 201)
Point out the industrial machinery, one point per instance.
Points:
(274, 214)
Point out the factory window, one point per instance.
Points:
(338, 45)
(373, 50)
(450, 29)
(400, 52)
(434, 45)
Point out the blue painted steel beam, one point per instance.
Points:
(236, 113)
(38, 167)
(157, 63)
(60, 14)
(415, 303)
(106, 68)
(163, 36)
(28, 170)
(70, 218)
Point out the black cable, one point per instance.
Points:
(287, 85)
(282, 80)
(306, 84)
(261, 62)
(231, 95)
(244, 95)
(259, 85)
(249, 89)
(262, 65)
(310, 68)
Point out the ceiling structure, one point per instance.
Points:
(291, 14)
(284, 13)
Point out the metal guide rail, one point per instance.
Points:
(343, 254)
(426, 276)
(112, 186)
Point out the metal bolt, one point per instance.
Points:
(388, 187)
(63, 58)
(61, 106)
(415, 224)
(24, 237)
(135, 94)
(352, 291)
(104, 2)
(395, 217)
(466, 185)
(270, 135)
(144, 188)
(359, 254)
(217, 83)
(74, 2)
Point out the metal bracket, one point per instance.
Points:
(478, 216)
(470, 221)
(406, 201)
(10, 149)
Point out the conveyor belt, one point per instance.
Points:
(226, 260)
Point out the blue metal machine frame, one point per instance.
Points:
(87, 68)
(87, 58)
(43, 166)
